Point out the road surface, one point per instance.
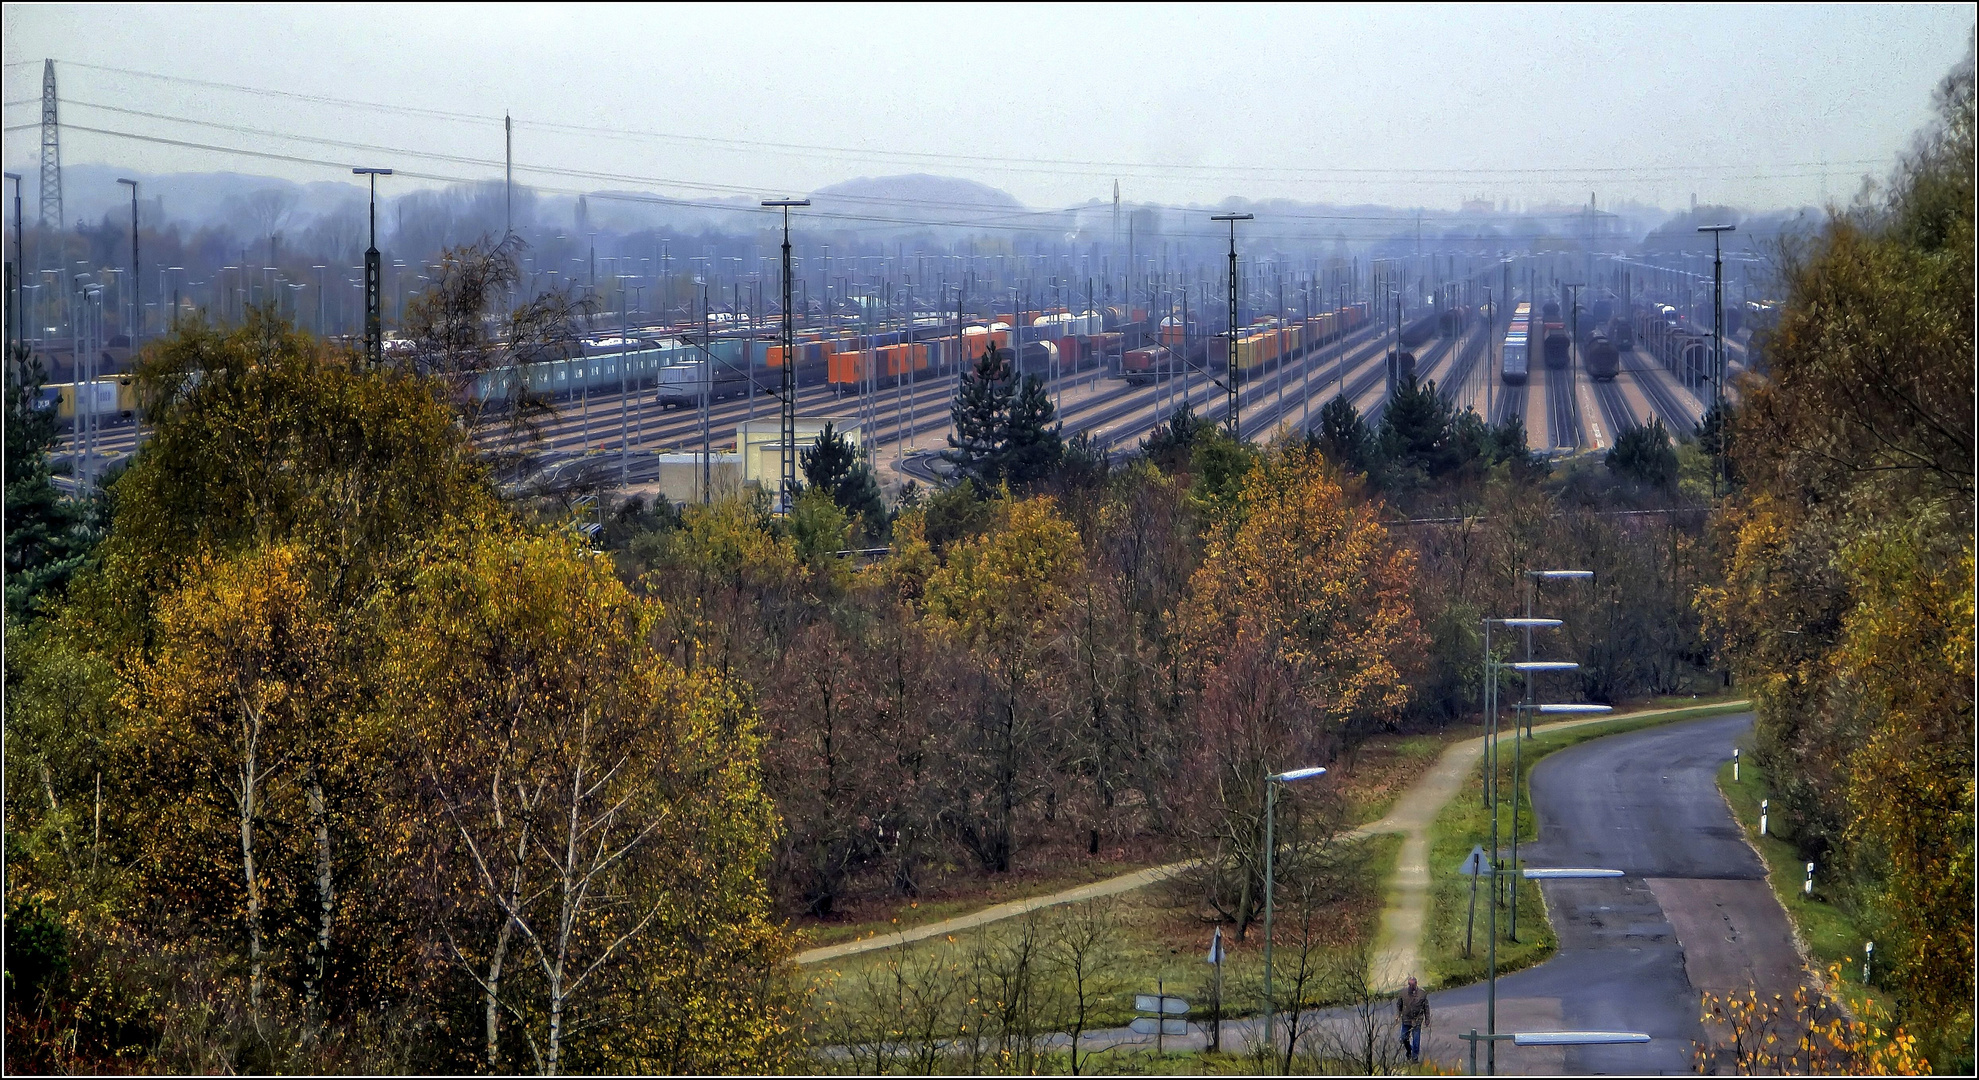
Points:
(1694, 911)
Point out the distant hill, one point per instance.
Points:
(919, 197)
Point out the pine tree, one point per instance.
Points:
(828, 461)
(1033, 443)
(982, 416)
(45, 538)
(1343, 435)
(1415, 426)
(1645, 454)
(832, 466)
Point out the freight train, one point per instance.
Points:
(1517, 354)
(1267, 344)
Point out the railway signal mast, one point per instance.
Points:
(374, 323)
(1230, 335)
(788, 449)
(1721, 481)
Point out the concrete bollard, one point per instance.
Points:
(1762, 817)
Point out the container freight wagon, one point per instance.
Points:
(810, 357)
(113, 397)
(1517, 355)
(880, 365)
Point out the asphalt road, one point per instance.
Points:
(1693, 911)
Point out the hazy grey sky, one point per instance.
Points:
(1427, 106)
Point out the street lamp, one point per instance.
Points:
(1230, 335)
(1270, 851)
(1527, 708)
(137, 282)
(1532, 579)
(374, 325)
(1552, 1038)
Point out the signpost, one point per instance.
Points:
(1216, 995)
(1163, 1007)
(1471, 867)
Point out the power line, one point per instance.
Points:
(1415, 175)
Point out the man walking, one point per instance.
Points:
(1413, 1005)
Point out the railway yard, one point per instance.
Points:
(905, 422)
(895, 382)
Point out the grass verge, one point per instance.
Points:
(1160, 940)
(1466, 821)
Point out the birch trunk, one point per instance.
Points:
(250, 763)
(313, 986)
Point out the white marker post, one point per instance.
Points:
(1762, 817)
(1734, 764)
(1809, 887)
(1868, 954)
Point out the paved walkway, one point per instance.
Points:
(1398, 951)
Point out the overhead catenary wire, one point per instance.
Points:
(1412, 174)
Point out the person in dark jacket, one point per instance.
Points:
(1413, 1006)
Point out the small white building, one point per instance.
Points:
(759, 443)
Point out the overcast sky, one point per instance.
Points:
(1755, 106)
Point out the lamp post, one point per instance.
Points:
(1490, 756)
(1270, 852)
(15, 284)
(374, 323)
(1230, 340)
(136, 328)
(1533, 578)
(787, 474)
(1722, 480)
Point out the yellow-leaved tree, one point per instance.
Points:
(1003, 595)
(1314, 575)
(1300, 627)
(595, 814)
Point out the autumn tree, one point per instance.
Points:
(1847, 602)
(1002, 595)
(597, 812)
(231, 716)
(1300, 567)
